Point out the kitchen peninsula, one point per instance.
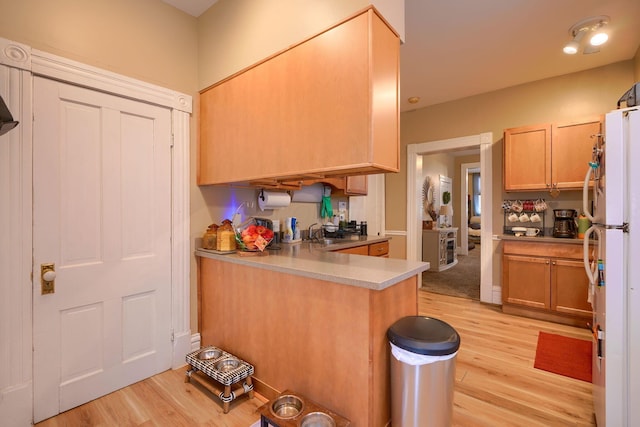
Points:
(311, 320)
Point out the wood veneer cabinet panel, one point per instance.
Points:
(322, 339)
(526, 281)
(527, 158)
(559, 250)
(356, 185)
(328, 106)
(379, 249)
(572, 151)
(545, 281)
(570, 288)
(546, 156)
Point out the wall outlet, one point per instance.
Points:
(342, 206)
(251, 204)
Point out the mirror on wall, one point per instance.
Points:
(445, 209)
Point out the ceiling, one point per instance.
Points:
(458, 48)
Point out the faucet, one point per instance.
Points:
(311, 232)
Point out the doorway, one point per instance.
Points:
(414, 209)
(467, 206)
(16, 400)
(102, 224)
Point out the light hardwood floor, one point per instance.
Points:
(496, 384)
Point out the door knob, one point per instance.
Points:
(47, 278)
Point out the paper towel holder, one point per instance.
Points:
(273, 199)
(261, 195)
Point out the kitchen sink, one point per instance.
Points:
(336, 240)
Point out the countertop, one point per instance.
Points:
(317, 261)
(543, 239)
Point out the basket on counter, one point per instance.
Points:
(251, 236)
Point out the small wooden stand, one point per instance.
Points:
(227, 378)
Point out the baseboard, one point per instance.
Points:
(264, 389)
(577, 321)
(181, 346)
(16, 405)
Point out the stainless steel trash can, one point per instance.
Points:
(423, 354)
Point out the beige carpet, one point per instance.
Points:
(462, 280)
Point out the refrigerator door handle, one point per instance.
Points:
(591, 268)
(585, 191)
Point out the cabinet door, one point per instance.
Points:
(569, 288)
(571, 151)
(356, 185)
(527, 158)
(525, 281)
(379, 249)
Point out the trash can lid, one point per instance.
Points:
(424, 335)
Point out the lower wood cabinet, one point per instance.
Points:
(356, 250)
(545, 281)
(380, 249)
(321, 338)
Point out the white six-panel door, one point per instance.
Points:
(102, 215)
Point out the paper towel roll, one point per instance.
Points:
(273, 200)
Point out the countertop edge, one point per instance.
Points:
(403, 269)
(545, 239)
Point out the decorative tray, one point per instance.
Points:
(213, 251)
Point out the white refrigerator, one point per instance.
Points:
(614, 274)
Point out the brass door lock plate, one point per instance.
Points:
(47, 278)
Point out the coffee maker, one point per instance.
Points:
(564, 224)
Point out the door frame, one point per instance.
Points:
(464, 191)
(414, 197)
(31, 62)
(52, 66)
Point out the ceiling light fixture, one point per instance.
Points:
(593, 25)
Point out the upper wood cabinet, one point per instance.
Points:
(327, 107)
(548, 156)
(356, 185)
